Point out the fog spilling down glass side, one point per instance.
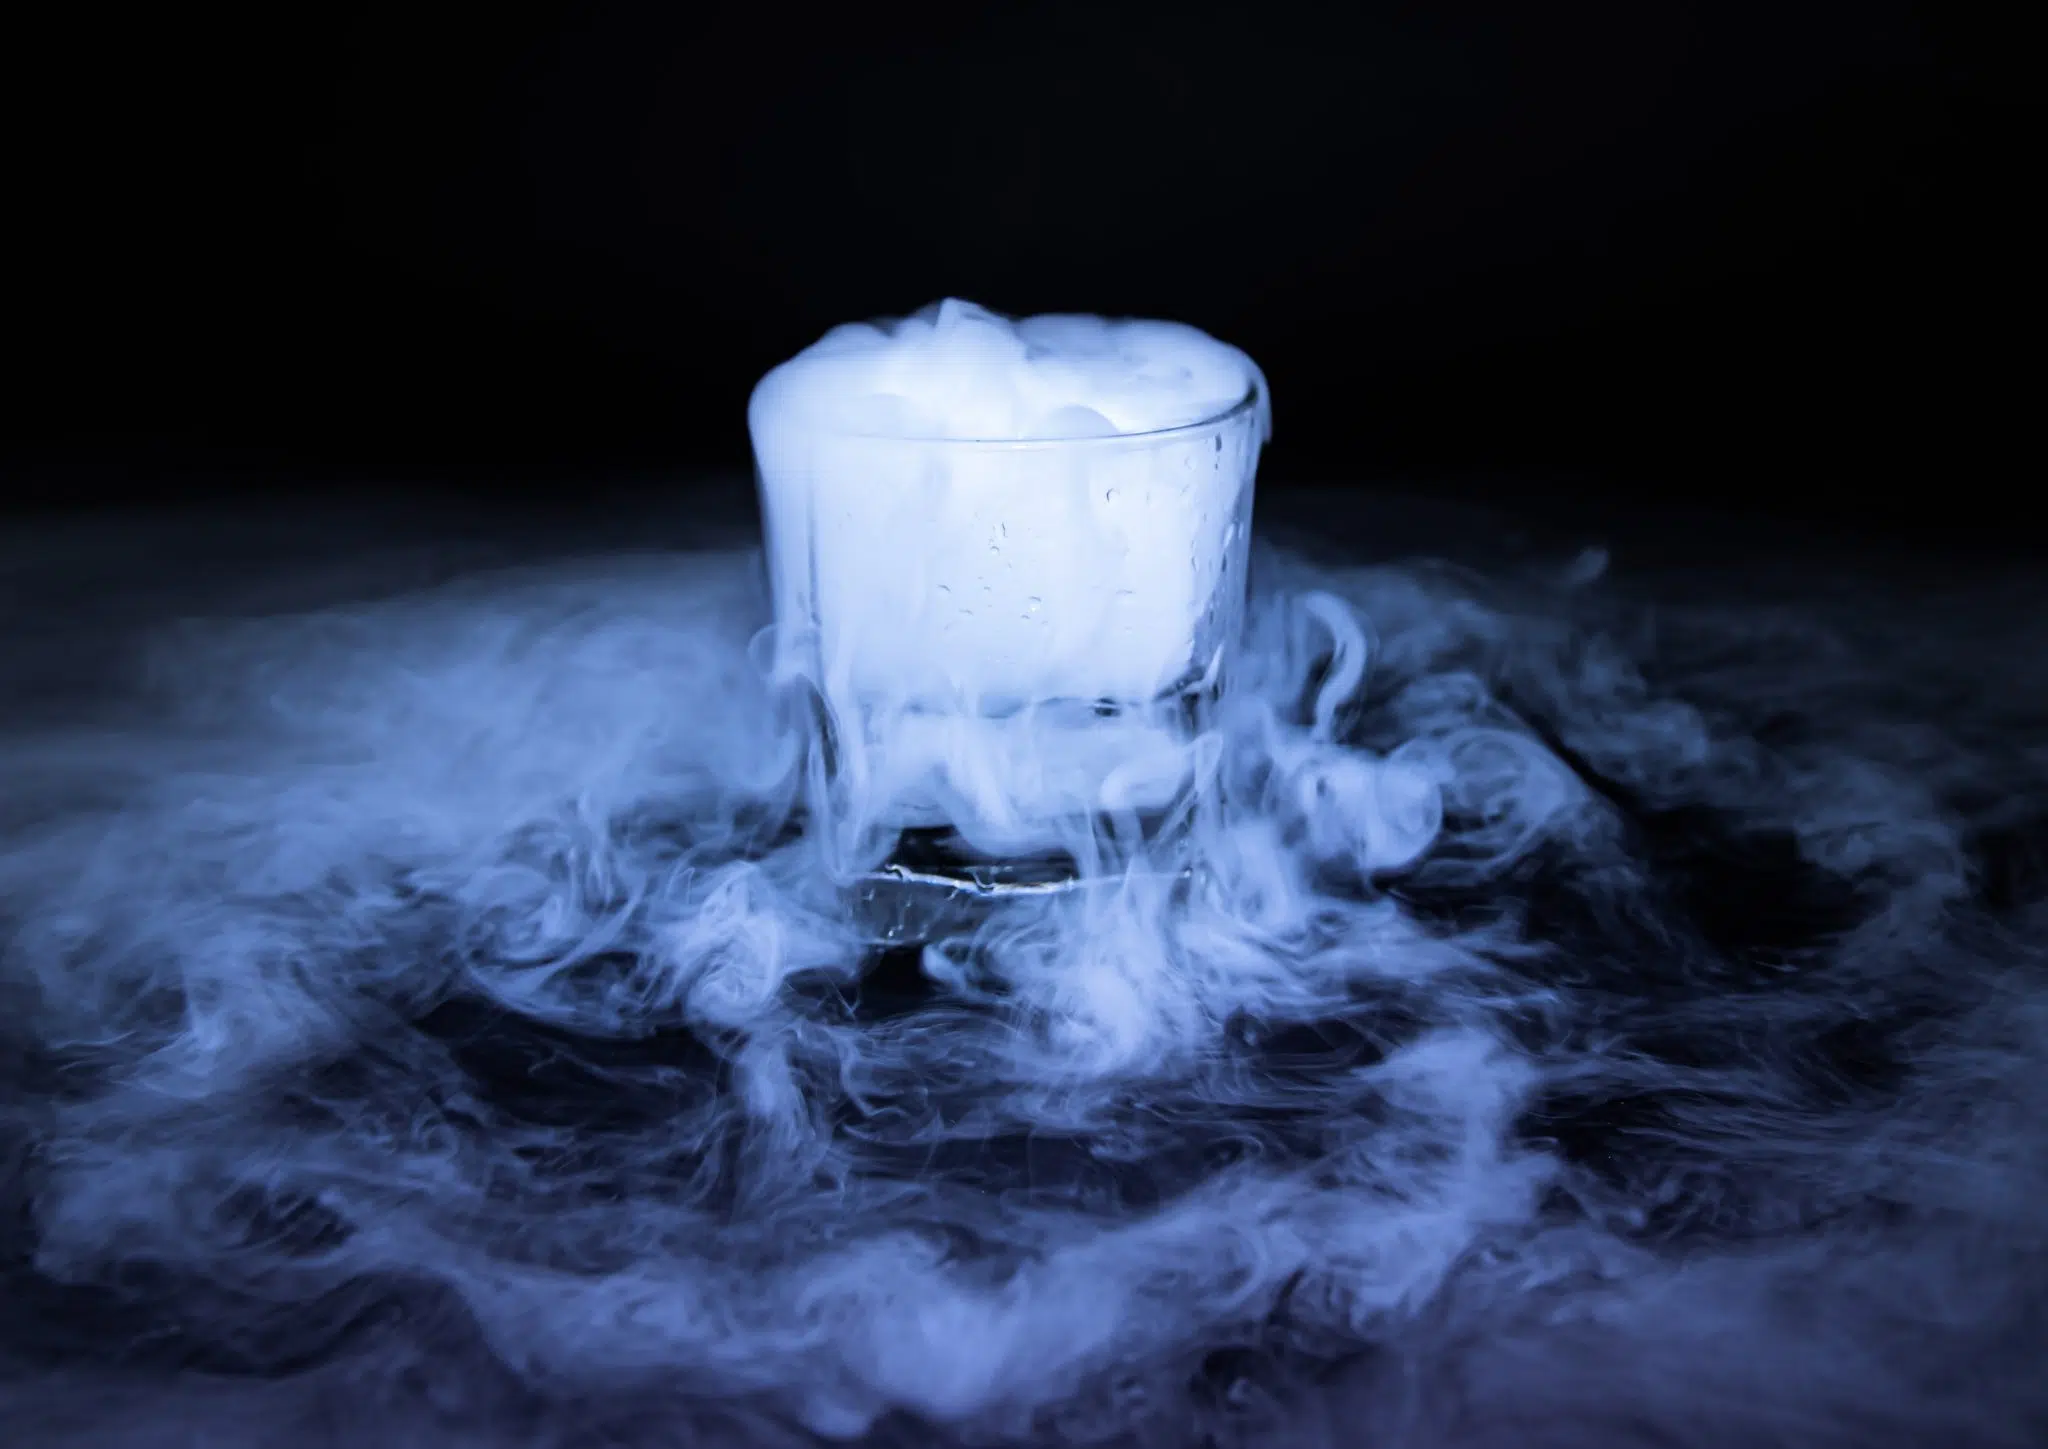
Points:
(1009, 646)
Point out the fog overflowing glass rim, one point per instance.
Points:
(1248, 403)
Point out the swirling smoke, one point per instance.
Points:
(1610, 1012)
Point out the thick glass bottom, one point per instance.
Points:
(933, 887)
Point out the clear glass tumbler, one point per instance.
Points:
(1009, 647)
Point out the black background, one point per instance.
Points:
(1769, 259)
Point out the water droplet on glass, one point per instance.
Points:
(1031, 605)
(1109, 495)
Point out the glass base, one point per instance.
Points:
(934, 886)
(932, 889)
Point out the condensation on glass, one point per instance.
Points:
(1008, 647)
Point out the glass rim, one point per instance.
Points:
(1247, 404)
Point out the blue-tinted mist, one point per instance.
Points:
(1611, 1011)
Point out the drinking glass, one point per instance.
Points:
(1009, 649)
